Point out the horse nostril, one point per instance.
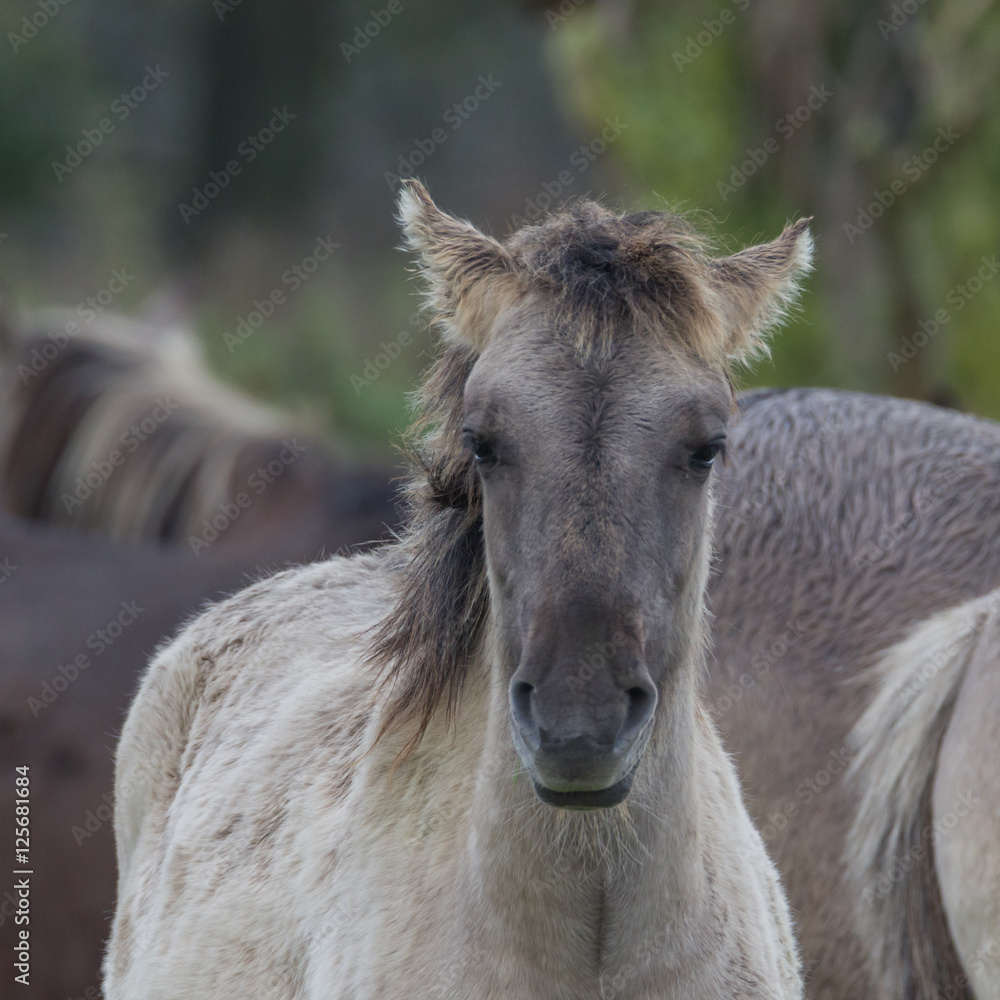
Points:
(520, 706)
(639, 697)
(641, 703)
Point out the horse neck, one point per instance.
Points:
(585, 889)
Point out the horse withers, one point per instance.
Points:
(474, 763)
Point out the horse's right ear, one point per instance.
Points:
(469, 275)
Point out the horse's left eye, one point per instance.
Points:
(703, 457)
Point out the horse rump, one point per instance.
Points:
(890, 851)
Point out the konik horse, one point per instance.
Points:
(475, 763)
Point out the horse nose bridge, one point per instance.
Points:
(583, 630)
(584, 607)
(587, 645)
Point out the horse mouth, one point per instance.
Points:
(602, 798)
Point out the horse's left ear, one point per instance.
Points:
(757, 286)
(469, 275)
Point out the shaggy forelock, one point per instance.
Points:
(609, 274)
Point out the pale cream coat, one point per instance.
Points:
(265, 852)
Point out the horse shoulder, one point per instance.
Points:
(258, 696)
(240, 652)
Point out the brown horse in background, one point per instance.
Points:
(120, 429)
(845, 521)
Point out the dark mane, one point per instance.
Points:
(423, 646)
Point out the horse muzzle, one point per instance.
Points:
(582, 766)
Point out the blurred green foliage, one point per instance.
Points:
(760, 111)
(746, 113)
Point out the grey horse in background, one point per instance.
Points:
(844, 523)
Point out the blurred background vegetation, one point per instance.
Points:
(877, 119)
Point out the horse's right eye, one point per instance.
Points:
(481, 450)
